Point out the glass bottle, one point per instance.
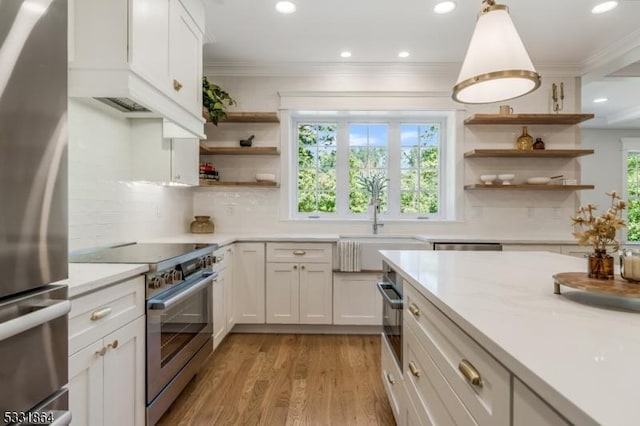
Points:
(538, 144)
(525, 141)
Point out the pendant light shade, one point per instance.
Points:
(497, 66)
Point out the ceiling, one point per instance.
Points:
(562, 34)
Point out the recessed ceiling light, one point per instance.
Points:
(285, 7)
(345, 54)
(444, 7)
(604, 7)
(403, 54)
(600, 100)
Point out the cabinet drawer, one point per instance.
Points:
(392, 379)
(299, 252)
(432, 396)
(96, 314)
(451, 350)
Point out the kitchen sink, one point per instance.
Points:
(371, 259)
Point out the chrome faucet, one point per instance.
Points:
(376, 225)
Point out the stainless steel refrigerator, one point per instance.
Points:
(33, 212)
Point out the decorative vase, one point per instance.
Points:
(202, 225)
(525, 141)
(538, 144)
(600, 265)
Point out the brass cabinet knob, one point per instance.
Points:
(177, 85)
(102, 351)
(414, 369)
(390, 379)
(113, 345)
(302, 267)
(414, 310)
(470, 373)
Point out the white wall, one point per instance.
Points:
(104, 206)
(527, 214)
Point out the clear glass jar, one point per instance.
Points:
(630, 265)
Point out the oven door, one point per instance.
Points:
(179, 323)
(392, 318)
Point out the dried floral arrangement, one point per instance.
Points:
(600, 230)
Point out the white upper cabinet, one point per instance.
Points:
(141, 57)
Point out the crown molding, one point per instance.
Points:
(321, 69)
(620, 54)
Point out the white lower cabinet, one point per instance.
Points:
(223, 298)
(229, 287)
(356, 299)
(531, 410)
(393, 382)
(299, 284)
(219, 309)
(249, 277)
(107, 356)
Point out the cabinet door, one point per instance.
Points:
(356, 299)
(124, 375)
(185, 158)
(185, 58)
(249, 283)
(316, 293)
(229, 289)
(149, 40)
(530, 410)
(282, 293)
(219, 311)
(86, 386)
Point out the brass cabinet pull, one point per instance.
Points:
(177, 85)
(414, 369)
(299, 252)
(102, 351)
(414, 310)
(113, 345)
(470, 373)
(100, 313)
(390, 379)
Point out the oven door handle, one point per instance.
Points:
(395, 303)
(160, 304)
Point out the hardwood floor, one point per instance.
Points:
(269, 379)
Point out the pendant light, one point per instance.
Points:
(497, 66)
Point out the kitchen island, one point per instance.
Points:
(575, 351)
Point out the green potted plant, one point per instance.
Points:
(214, 101)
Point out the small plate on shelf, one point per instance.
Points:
(538, 180)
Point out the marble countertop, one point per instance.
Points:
(86, 277)
(577, 351)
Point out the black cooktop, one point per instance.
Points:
(148, 253)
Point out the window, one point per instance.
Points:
(332, 154)
(633, 194)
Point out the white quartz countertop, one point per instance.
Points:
(86, 277)
(576, 353)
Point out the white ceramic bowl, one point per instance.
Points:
(506, 178)
(488, 179)
(265, 177)
(538, 180)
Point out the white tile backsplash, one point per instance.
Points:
(105, 207)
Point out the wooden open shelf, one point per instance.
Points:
(530, 187)
(204, 182)
(539, 153)
(238, 150)
(251, 117)
(567, 119)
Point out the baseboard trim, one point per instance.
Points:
(306, 329)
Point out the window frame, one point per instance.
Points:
(394, 120)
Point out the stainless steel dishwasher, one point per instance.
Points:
(468, 246)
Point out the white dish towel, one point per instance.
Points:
(349, 255)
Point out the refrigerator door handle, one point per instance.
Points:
(34, 319)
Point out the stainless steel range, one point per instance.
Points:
(179, 313)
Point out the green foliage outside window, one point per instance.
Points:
(633, 191)
(317, 179)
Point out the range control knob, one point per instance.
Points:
(167, 277)
(177, 276)
(209, 261)
(200, 263)
(155, 282)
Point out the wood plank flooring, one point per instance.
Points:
(282, 379)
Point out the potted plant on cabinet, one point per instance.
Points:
(214, 101)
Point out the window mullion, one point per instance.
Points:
(394, 169)
(342, 178)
